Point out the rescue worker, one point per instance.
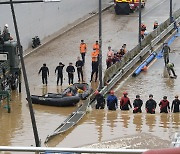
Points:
(5, 34)
(45, 73)
(70, 70)
(59, 70)
(112, 101)
(143, 29)
(79, 65)
(100, 100)
(110, 56)
(96, 47)
(110, 53)
(164, 105)
(125, 102)
(170, 68)
(124, 47)
(175, 105)
(150, 105)
(137, 104)
(83, 49)
(95, 65)
(155, 24)
(166, 50)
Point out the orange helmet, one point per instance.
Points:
(112, 92)
(125, 93)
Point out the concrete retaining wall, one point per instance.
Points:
(44, 19)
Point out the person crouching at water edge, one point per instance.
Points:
(164, 105)
(137, 104)
(125, 102)
(112, 101)
(151, 105)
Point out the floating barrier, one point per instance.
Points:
(144, 64)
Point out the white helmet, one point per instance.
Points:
(6, 25)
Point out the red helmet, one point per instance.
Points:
(112, 92)
(125, 93)
(96, 92)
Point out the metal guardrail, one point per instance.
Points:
(152, 39)
(72, 150)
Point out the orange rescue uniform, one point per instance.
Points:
(96, 47)
(94, 56)
(83, 48)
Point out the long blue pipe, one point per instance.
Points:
(145, 63)
(153, 55)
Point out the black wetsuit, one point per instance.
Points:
(151, 106)
(164, 106)
(79, 65)
(59, 69)
(137, 105)
(70, 70)
(100, 101)
(45, 73)
(175, 105)
(95, 66)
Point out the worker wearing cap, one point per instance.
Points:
(70, 70)
(155, 24)
(166, 50)
(100, 101)
(112, 101)
(151, 105)
(5, 34)
(95, 65)
(96, 47)
(170, 68)
(125, 102)
(175, 105)
(45, 73)
(83, 49)
(143, 29)
(137, 104)
(59, 70)
(79, 65)
(164, 105)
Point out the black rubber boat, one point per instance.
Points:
(62, 101)
(69, 97)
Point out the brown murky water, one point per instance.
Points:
(98, 125)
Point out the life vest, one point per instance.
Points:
(94, 56)
(96, 47)
(83, 47)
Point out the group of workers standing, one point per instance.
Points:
(144, 29)
(113, 57)
(125, 104)
(71, 69)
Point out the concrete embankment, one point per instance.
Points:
(45, 19)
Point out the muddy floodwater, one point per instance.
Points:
(97, 127)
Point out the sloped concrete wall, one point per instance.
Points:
(44, 19)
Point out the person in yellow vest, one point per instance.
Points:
(83, 49)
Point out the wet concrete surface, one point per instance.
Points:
(101, 125)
